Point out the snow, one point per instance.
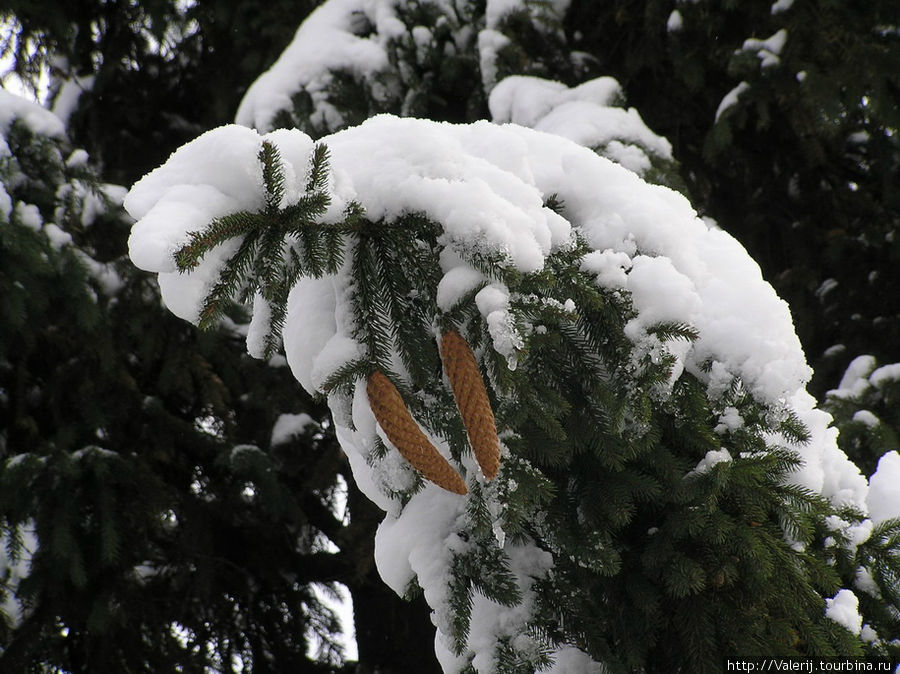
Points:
(731, 98)
(826, 469)
(325, 43)
(289, 426)
(856, 534)
(490, 620)
(585, 114)
(258, 328)
(94, 451)
(610, 267)
(675, 22)
(66, 100)
(77, 159)
(105, 274)
(29, 216)
(685, 270)
(39, 121)
(865, 582)
(855, 381)
(524, 100)
(493, 302)
(495, 10)
(570, 660)
(486, 185)
(729, 420)
(826, 287)
(866, 417)
(660, 293)
(411, 545)
(456, 283)
(884, 489)
(338, 350)
(780, 6)
(868, 634)
(843, 609)
(490, 42)
(6, 204)
(57, 237)
(92, 204)
(712, 458)
(317, 300)
(767, 51)
(216, 174)
(885, 375)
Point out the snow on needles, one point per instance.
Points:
(324, 43)
(586, 114)
(486, 185)
(39, 120)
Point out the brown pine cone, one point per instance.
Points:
(402, 430)
(472, 401)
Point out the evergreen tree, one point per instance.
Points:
(865, 409)
(794, 193)
(665, 498)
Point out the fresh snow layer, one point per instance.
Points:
(486, 185)
(843, 609)
(289, 426)
(490, 42)
(855, 381)
(70, 90)
(885, 375)
(884, 489)
(586, 114)
(731, 99)
(780, 6)
(675, 22)
(39, 120)
(767, 51)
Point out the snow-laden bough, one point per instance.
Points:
(502, 197)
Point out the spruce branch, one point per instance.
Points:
(220, 230)
(344, 378)
(273, 175)
(279, 243)
(231, 277)
(318, 169)
(371, 301)
(667, 331)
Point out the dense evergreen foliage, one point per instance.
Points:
(140, 455)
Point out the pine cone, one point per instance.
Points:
(400, 428)
(472, 401)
